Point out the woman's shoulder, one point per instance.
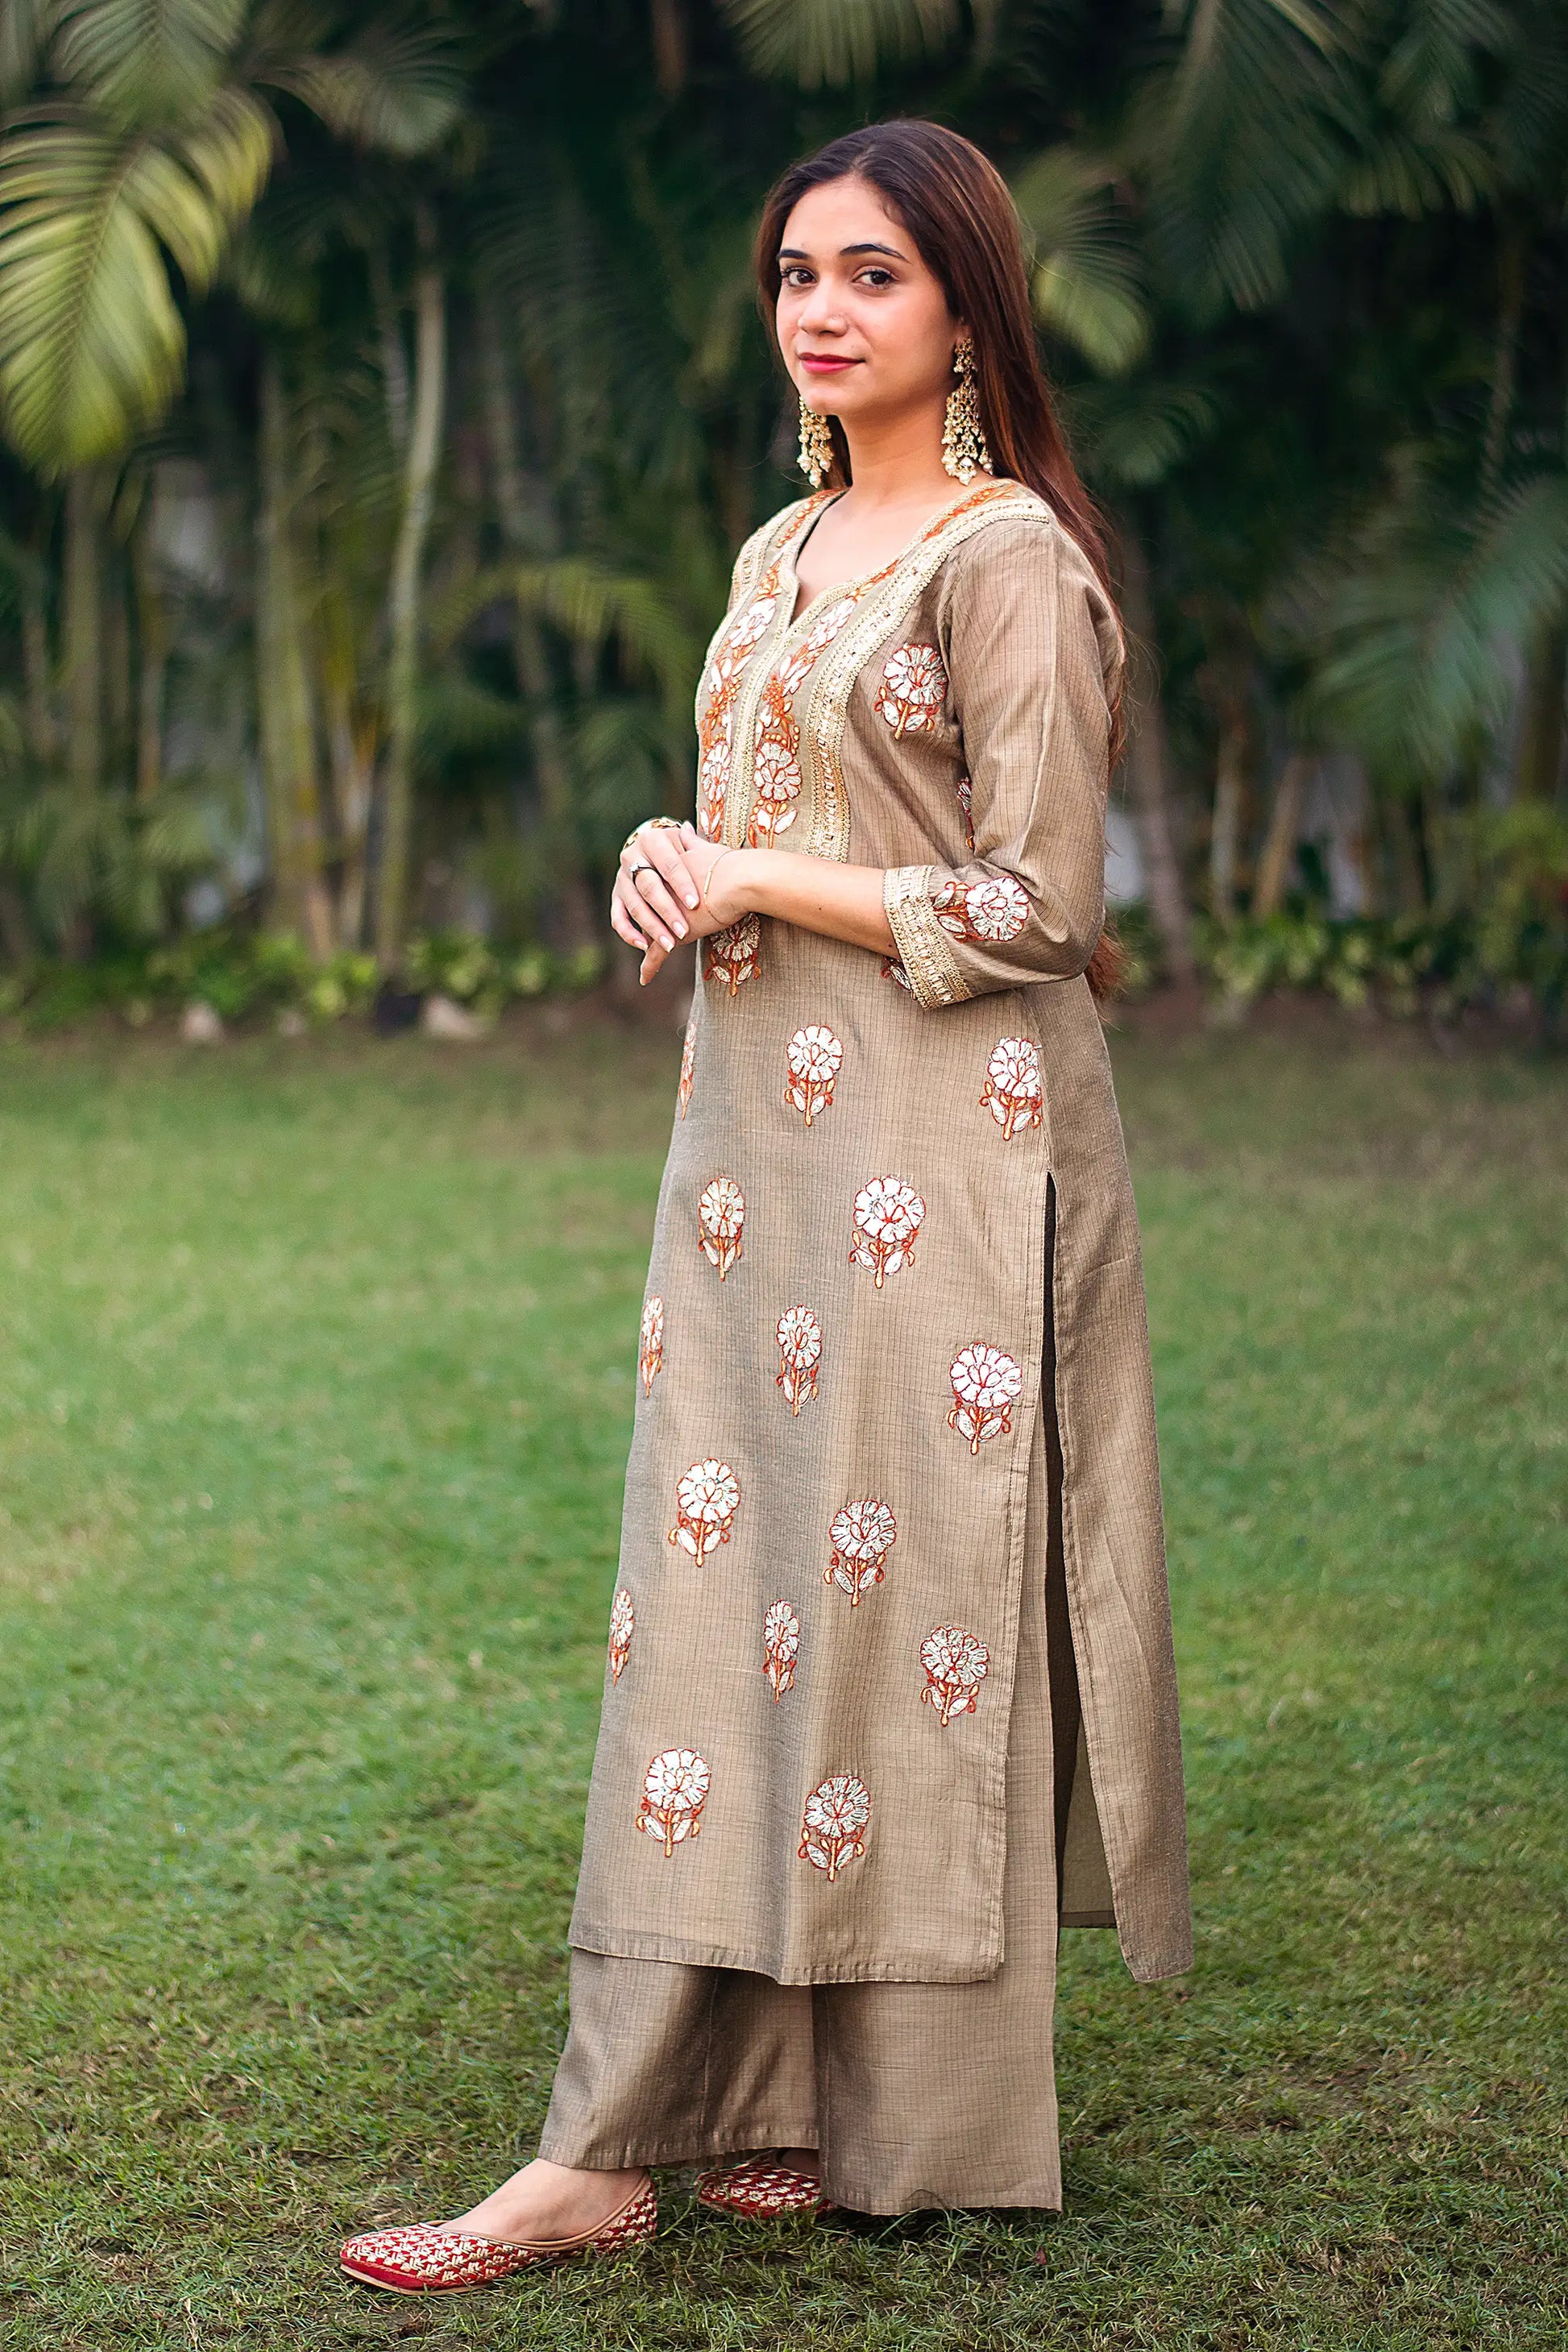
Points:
(1024, 549)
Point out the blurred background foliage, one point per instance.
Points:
(383, 400)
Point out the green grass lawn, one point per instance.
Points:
(316, 1377)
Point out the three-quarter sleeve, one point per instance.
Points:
(1030, 640)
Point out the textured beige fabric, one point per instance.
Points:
(822, 1823)
(917, 2095)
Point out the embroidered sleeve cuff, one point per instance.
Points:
(924, 948)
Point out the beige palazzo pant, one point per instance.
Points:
(915, 2094)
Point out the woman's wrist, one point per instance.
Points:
(747, 876)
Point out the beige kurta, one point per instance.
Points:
(801, 1761)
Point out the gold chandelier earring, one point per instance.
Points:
(816, 459)
(964, 450)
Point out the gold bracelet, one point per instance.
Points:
(651, 825)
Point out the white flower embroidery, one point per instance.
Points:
(834, 1826)
(706, 1500)
(775, 771)
(862, 1535)
(675, 1790)
(623, 1624)
(799, 1335)
(913, 689)
(1011, 1092)
(814, 1057)
(893, 969)
(965, 791)
(721, 1218)
(956, 1664)
(987, 1384)
(734, 955)
(650, 1354)
(989, 913)
(781, 1647)
(888, 1213)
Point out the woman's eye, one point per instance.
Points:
(876, 277)
(796, 277)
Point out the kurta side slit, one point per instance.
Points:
(892, 1570)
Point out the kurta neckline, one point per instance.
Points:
(862, 580)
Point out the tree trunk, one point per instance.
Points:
(1149, 777)
(557, 798)
(1284, 833)
(283, 690)
(152, 665)
(1539, 768)
(402, 599)
(668, 46)
(43, 734)
(83, 649)
(1229, 802)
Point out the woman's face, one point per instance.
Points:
(863, 323)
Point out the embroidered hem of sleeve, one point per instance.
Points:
(924, 950)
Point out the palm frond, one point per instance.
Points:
(830, 43)
(397, 91)
(593, 607)
(92, 341)
(1086, 281)
(137, 62)
(1131, 437)
(25, 28)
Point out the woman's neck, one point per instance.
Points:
(896, 463)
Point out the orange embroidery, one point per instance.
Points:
(914, 689)
(888, 1213)
(862, 1535)
(956, 1664)
(720, 1216)
(781, 1647)
(799, 1335)
(687, 1064)
(707, 1498)
(985, 1386)
(965, 791)
(623, 1626)
(650, 1355)
(893, 969)
(775, 765)
(1011, 1092)
(986, 913)
(733, 650)
(675, 1790)
(834, 1826)
(814, 1057)
(734, 955)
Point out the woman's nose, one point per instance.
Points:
(820, 313)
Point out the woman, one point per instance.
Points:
(890, 1693)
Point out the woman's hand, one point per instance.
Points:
(666, 889)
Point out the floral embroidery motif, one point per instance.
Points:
(734, 955)
(956, 1664)
(965, 792)
(623, 1626)
(893, 969)
(687, 1063)
(1011, 1092)
(706, 1501)
(986, 913)
(720, 1215)
(834, 1826)
(986, 1385)
(914, 689)
(781, 1647)
(799, 1335)
(675, 1790)
(862, 1535)
(650, 1354)
(888, 1213)
(737, 644)
(814, 1057)
(775, 765)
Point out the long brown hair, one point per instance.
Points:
(957, 206)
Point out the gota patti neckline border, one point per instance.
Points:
(881, 600)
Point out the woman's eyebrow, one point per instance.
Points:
(794, 252)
